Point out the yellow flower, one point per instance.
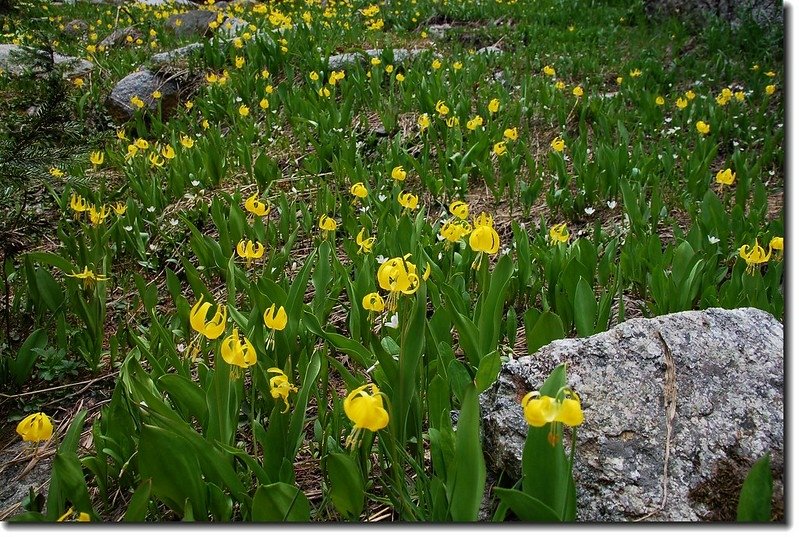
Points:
(400, 77)
(484, 237)
(660, 101)
(436, 64)
(250, 250)
(558, 144)
(776, 244)
(453, 122)
(511, 134)
(35, 428)
(212, 78)
(121, 134)
(97, 157)
(213, 328)
(770, 89)
(558, 233)
(771, 74)
(359, 190)
(549, 70)
(702, 127)
(570, 412)
(619, 80)
(98, 217)
(365, 244)
(457, 66)
(682, 103)
(389, 69)
(168, 152)
(365, 411)
(408, 200)
(539, 409)
(238, 351)
(398, 173)
(69, 516)
(256, 207)
(754, 256)
(155, 160)
(55, 172)
(493, 106)
(725, 177)
(375, 61)
(239, 62)
(205, 124)
(577, 91)
(397, 275)
(455, 231)
(323, 92)
(690, 95)
(459, 209)
(157, 94)
(244, 111)
(560, 85)
(740, 96)
(89, 277)
(327, 225)
(119, 208)
(78, 82)
(475, 122)
(314, 76)
(635, 73)
(187, 141)
(373, 302)
(500, 148)
(275, 320)
(137, 102)
(423, 122)
(442, 108)
(280, 387)
(722, 99)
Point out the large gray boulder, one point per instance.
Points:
(119, 37)
(194, 22)
(176, 54)
(724, 371)
(339, 61)
(15, 60)
(142, 84)
(766, 13)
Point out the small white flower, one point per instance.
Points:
(195, 183)
(180, 347)
(712, 240)
(394, 322)
(612, 204)
(128, 228)
(174, 221)
(151, 209)
(382, 197)
(589, 211)
(504, 251)
(380, 259)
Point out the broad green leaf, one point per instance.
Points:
(488, 371)
(280, 502)
(525, 506)
(467, 482)
(346, 485)
(547, 328)
(26, 356)
(584, 309)
(137, 506)
(754, 504)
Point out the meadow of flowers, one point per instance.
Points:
(289, 289)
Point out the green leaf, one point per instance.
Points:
(584, 308)
(346, 485)
(490, 319)
(468, 480)
(280, 502)
(547, 328)
(168, 460)
(26, 356)
(186, 393)
(525, 506)
(754, 504)
(137, 507)
(488, 371)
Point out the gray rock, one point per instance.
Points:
(160, 2)
(438, 31)
(15, 59)
(490, 50)
(729, 378)
(76, 27)
(119, 37)
(232, 27)
(142, 84)
(338, 61)
(194, 22)
(765, 13)
(176, 54)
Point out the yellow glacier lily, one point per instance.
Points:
(213, 328)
